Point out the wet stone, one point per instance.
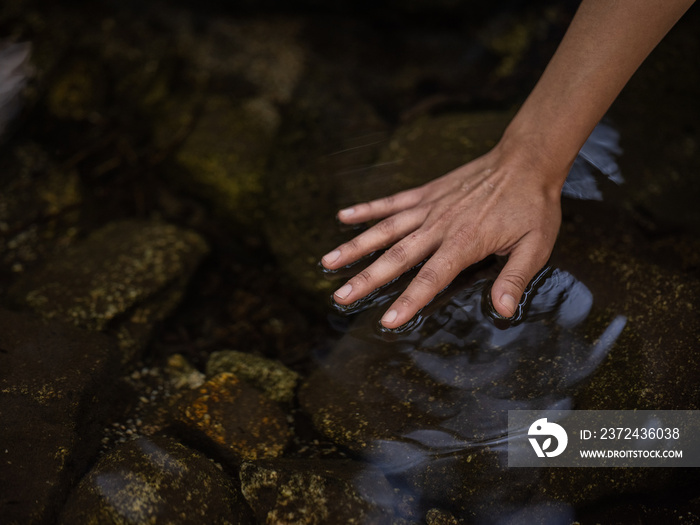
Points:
(288, 491)
(440, 517)
(122, 279)
(430, 404)
(155, 480)
(251, 66)
(228, 174)
(38, 206)
(231, 418)
(329, 134)
(182, 374)
(56, 384)
(276, 381)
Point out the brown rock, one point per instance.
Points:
(232, 418)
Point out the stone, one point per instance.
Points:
(231, 418)
(275, 380)
(38, 206)
(255, 64)
(182, 374)
(286, 491)
(329, 133)
(440, 517)
(56, 384)
(122, 279)
(155, 480)
(228, 173)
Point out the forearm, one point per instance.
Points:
(604, 45)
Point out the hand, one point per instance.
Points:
(500, 203)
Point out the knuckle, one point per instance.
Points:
(387, 227)
(397, 255)
(364, 277)
(388, 201)
(353, 245)
(428, 276)
(465, 237)
(445, 263)
(406, 302)
(517, 279)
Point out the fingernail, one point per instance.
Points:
(331, 257)
(347, 212)
(343, 291)
(390, 316)
(508, 301)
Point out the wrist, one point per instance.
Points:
(534, 151)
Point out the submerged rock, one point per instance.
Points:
(155, 480)
(232, 418)
(288, 491)
(38, 206)
(122, 279)
(276, 381)
(182, 374)
(429, 405)
(329, 134)
(253, 67)
(56, 383)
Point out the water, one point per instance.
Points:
(253, 127)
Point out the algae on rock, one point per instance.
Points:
(122, 279)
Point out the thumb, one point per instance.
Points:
(523, 264)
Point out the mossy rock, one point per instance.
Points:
(155, 480)
(122, 279)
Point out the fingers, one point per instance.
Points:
(434, 276)
(380, 208)
(401, 257)
(387, 232)
(524, 261)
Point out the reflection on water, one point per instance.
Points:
(14, 70)
(430, 404)
(598, 155)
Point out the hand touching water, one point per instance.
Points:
(507, 202)
(494, 204)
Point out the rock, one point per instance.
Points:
(429, 147)
(38, 206)
(233, 419)
(255, 65)
(602, 331)
(329, 134)
(276, 381)
(122, 279)
(228, 173)
(182, 374)
(56, 383)
(155, 480)
(286, 491)
(440, 517)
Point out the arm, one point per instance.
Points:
(507, 201)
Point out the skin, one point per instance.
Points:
(507, 202)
